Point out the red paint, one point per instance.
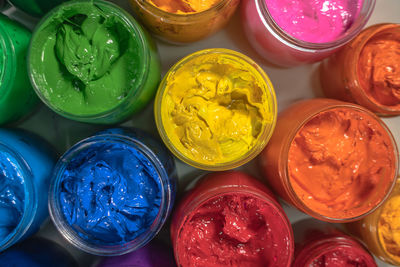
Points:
(231, 219)
(319, 244)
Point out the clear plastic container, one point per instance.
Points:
(181, 27)
(150, 151)
(340, 73)
(274, 163)
(34, 159)
(278, 47)
(263, 93)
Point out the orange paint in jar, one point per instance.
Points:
(367, 70)
(333, 160)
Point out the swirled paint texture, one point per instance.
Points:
(315, 21)
(341, 163)
(215, 108)
(110, 193)
(91, 59)
(379, 69)
(233, 229)
(12, 194)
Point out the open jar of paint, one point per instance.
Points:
(333, 160)
(184, 21)
(379, 230)
(36, 8)
(321, 244)
(215, 109)
(26, 164)
(17, 97)
(231, 219)
(366, 70)
(290, 33)
(90, 61)
(111, 193)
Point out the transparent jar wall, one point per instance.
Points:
(276, 48)
(17, 97)
(40, 158)
(182, 28)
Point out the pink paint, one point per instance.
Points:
(315, 21)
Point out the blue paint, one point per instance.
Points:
(26, 164)
(12, 195)
(110, 189)
(37, 252)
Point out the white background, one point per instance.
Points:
(290, 85)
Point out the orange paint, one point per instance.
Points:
(337, 162)
(379, 68)
(184, 6)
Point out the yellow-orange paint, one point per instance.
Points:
(216, 106)
(184, 6)
(389, 225)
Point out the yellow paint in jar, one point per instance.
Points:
(216, 109)
(389, 227)
(184, 6)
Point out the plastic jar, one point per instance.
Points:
(131, 178)
(17, 97)
(90, 61)
(184, 27)
(38, 252)
(231, 219)
(333, 160)
(215, 109)
(279, 47)
(341, 74)
(378, 230)
(321, 244)
(153, 254)
(36, 8)
(26, 166)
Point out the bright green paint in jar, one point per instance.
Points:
(17, 97)
(90, 61)
(36, 8)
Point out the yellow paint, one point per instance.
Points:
(184, 6)
(216, 106)
(389, 227)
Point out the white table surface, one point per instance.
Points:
(290, 84)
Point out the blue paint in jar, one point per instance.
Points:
(26, 164)
(113, 192)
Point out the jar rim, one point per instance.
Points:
(354, 58)
(295, 43)
(101, 249)
(130, 24)
(8, 71)
(264, 136)
(337, 105)
(183, 17)
(208, 195)
(30, 199)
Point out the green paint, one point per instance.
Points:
(17, 97)
(36, 8)
(91, 61)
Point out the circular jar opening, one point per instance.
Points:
(315, 25)
(215, 109)
(335, 251)
(234, 228)
(184, 8)
(342, 163)
(110, 195)
(378, 67)
(88, 60)
(17, 197)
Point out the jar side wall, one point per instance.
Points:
(184, 28)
